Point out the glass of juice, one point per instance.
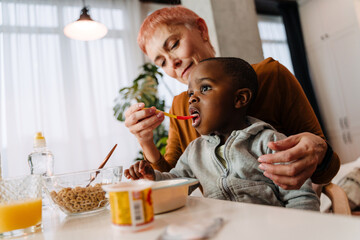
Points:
(20, 206)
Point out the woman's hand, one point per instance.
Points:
(300, 155)
(141, 122)
(140, 170)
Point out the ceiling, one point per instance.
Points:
(162, 1)
(179, 1)
(262, 6)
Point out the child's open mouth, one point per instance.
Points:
(196, 117)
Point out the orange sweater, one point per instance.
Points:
(280, 101)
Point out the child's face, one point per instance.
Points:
(211, 98)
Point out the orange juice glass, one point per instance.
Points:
(20, 206)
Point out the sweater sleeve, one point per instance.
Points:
(279, 87)
(159, 176)
(304, 198)
(305, 122)
(326, 175)
(182, 169)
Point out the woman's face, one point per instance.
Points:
(176, 49)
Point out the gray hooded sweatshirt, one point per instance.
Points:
(241, 180)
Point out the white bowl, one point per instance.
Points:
(171, 194)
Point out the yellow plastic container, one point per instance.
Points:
(131, 204)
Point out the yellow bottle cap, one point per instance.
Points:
(39, 135)
(39, 140)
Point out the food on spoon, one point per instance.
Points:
(174, 116)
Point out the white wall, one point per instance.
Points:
(232, 25)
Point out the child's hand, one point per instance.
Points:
(140, 170)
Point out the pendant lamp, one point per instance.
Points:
(85, 28)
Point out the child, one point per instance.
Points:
(224, 158)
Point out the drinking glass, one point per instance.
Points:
(20, 206)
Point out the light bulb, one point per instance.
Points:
(85, 28)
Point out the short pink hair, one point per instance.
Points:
(169, 16)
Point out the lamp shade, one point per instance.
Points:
(85, 28)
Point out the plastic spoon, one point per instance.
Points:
(175, 116)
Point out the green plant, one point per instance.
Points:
(144, 89)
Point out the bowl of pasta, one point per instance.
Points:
(81, 192)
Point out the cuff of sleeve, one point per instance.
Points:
(157, 175)
(328, 168)
(327, 159)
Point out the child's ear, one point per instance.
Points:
(242, 97)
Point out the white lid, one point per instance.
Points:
(39, 140)
(137, 185)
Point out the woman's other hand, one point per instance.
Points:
(141, 122)
(300, 153)
(140, 170)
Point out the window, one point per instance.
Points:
(273, 38)
(62, 87)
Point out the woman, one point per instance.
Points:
(175, 39)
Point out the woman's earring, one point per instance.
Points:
(205, 38)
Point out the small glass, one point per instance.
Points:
(20, 206)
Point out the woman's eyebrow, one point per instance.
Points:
(157, 58)
(166, 42)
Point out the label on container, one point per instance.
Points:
(132, 208)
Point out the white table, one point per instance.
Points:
(242, 221)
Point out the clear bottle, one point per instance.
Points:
(41, 160)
